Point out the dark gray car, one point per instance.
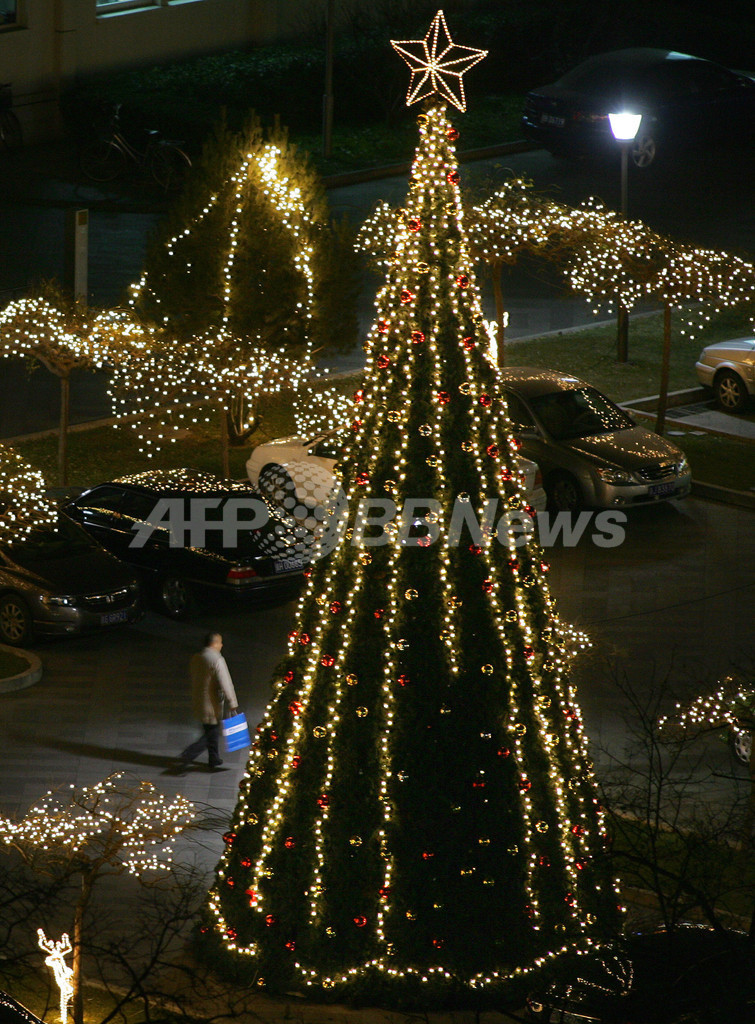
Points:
(58, 582)
(591, 453)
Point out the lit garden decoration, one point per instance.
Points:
(23, 506)
(418, 819)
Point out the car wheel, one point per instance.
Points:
(644, 151)
(16, 626)
(731, 394)
(175, 597)
(741, 745)
(276, 484)
(564, 493)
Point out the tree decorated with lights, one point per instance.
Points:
(118, 825)
(418, 813)
(64, 337)
(23, 506)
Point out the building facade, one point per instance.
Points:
(46, 45)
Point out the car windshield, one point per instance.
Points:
(66, 540)
(331, 446)
(580, 412)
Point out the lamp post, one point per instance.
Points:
(624, 126)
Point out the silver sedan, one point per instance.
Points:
(728, 367)
(591, 453)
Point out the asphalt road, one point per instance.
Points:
(674, 601)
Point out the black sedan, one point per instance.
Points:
(683, 101)
(191, 534)
(59, 582)
(12, 1012)
(692, 974)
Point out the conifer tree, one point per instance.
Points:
(418, 811)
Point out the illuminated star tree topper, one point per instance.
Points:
(437, 64)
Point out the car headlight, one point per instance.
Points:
(58, 600)
(615, 476)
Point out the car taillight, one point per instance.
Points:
(240, 574)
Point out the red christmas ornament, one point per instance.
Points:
(403, 680)
(543, 861)
(359, 395)
(506, 474)
(478, 784)
(406, 296)
(569, 899)
(289, 676)
(383, 361)
(296, 707)
(291, 945)
(229, 837)
(577, 830)
(327, 661)
(289, 842)
(469, 343)
(246, 862)
(493, 451)
(383, 326)
(453, 178)
(335, 607)
(414, 223)
(443, 398)
(504, 752)
(524, 784)
(385, 892)
(544, 567)
(230, 882)
(293, 636)
(304, 639)
(438, 943)
(295, 761)
(462, 281)
(417, 337)
(378, 613)
(360, 921)
(253, 896)
(273, 737)
(356, 424)
(423, 542)
(514, 565)
(231, 933)
(307, 572)
(427, 855)
(452, 133)
(515, 443)
(580, 865)
(529, 652)
(531, 511)
(486, 400)
(323, 800)
(475, 549)
(362, 479)
(487, 586)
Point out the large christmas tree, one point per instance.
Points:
(418, 809)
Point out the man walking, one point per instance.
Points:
(210, 683)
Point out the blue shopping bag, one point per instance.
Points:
(236, 732)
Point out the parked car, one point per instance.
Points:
(262, 558)
(684, 101)
(592, 454)
(310, 465)
(692, 974)
(57, 582)
(13, 1012)
(728, 367)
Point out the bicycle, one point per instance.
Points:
(11, 133)
(107, 158)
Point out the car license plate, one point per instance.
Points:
(288, 565)
(662, 488)
(558, 122)
(111, 617)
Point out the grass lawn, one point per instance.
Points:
(107, 452)
(11, 664)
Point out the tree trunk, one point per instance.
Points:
(660, 421)
(500, 314)
(77, 999)
(224, 441)
(65, 398)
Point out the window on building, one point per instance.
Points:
(8, 12)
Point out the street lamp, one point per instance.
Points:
(624, 126)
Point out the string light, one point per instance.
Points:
(23, 506)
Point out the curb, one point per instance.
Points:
(31, 676)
